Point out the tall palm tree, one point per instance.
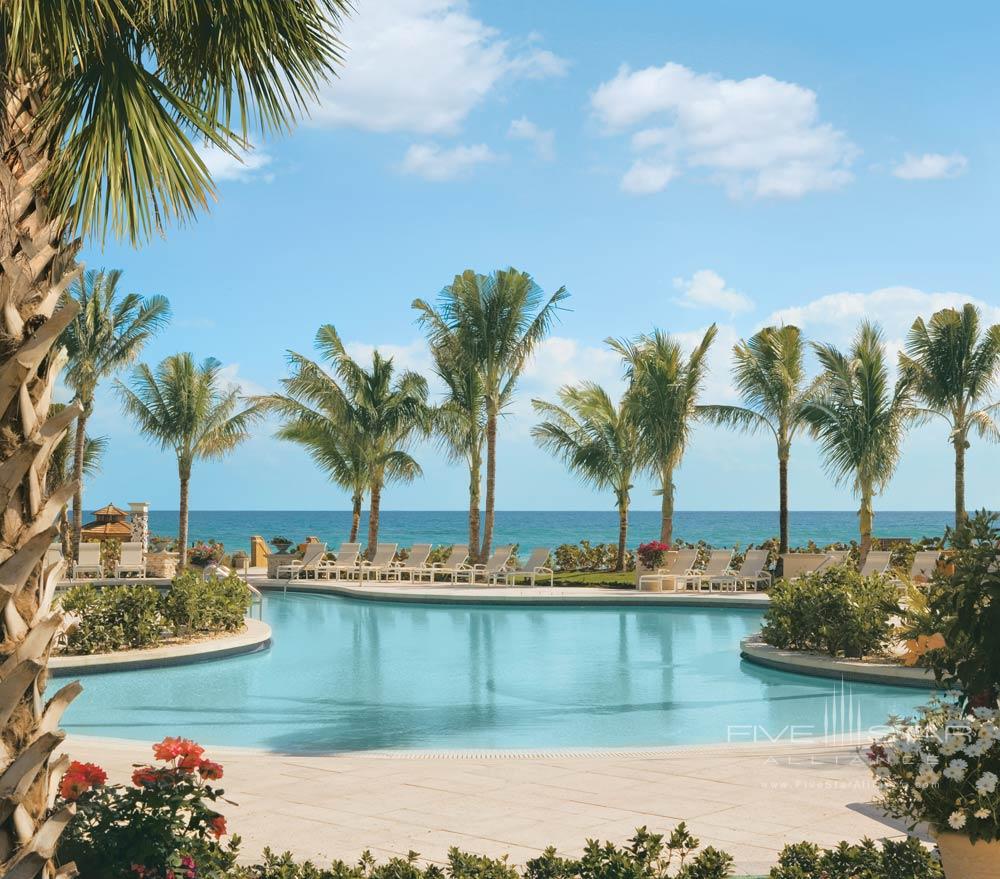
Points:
(106, 335)
(769, 374)
(104, 106)
(859, 419)
(664, 399)
(60, 472)
(953, 366)
(598, 439)
(460, 420)
(498, 321)
(354, 421)
(183, 406)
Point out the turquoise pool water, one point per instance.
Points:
(344, 674)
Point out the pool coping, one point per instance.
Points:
(754, 650)
(255, 637)
(540, 596)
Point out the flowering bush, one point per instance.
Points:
(163, 826)
(203, 554)
(651, 554)
(943, 767)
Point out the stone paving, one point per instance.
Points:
(747, 799)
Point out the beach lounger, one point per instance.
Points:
(876, 562)
(492, 570)
(455, 564)
(90, 561)
(924, 565)
(751, 572)
(719, 563)
(834, 558)
(131, 563)
(346, 562)
(415, 566)
(680, 566)
(310, 563)
(535, 566)
(380, 564)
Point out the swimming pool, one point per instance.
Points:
(345, 674)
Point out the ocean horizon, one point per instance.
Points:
(546, 528)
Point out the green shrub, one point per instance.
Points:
(835, 611)
(897, 859)
(115, 618)
(193, 604)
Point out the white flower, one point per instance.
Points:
(977, 749)
(926, 777)
(987, 783)
(951, 745)
(989, 731)
(956, 820)
(929, 759)
(985, 712)
(981, 814)
(956, 769)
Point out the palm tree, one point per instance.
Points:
(182, 406)
(104, 107)
(59, 472)
(598, 439)
(498, 321)
(355, 422)
(664, 399)
(106, 335)
(460, 420)
(768, 372)
(859, 419)
(953, 366)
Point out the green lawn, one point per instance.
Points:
(591, 578)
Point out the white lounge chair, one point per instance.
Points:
(834, 558)
(310, 563)
(924, 565)
(90, 561)
(346, 562)
(751, 572)
(415, 566)
(455, 564)
(492, 570)
(876, 562)
(131, 563)
(380, 564)
(719, 563)
(680, 566)
(535, 566)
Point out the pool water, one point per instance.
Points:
(344, 674)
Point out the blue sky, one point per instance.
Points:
(672, 164)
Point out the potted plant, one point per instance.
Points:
(203, 554)
(280, 544)
(942, 768)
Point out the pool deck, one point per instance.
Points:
(749, 799)
(446, 593)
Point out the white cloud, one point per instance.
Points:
(930, 166)
(229, 376)
(542, 139)
(415, 355)
(223, 166)
(757, 136)
(707, 289)
(835, 317)
(431, 162)
(645, 177)
(421, 66)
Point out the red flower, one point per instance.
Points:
(217, 826)
(144, 775)
(172, 747)
(210, 770)
(80, 778)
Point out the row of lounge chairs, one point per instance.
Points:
(131, 562)
(348, 564)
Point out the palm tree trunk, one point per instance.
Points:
(36, 266)
(182, 525)
(783, 504)
(356, 503)
(667, 509)
(491, 478)
(960, 444)
(79, 446)
(622, 533)
(64, 533)
(474, 480)
(373, 516)
(866, 517)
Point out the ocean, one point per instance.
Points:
(549, 528)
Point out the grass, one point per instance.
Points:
(595, 578)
